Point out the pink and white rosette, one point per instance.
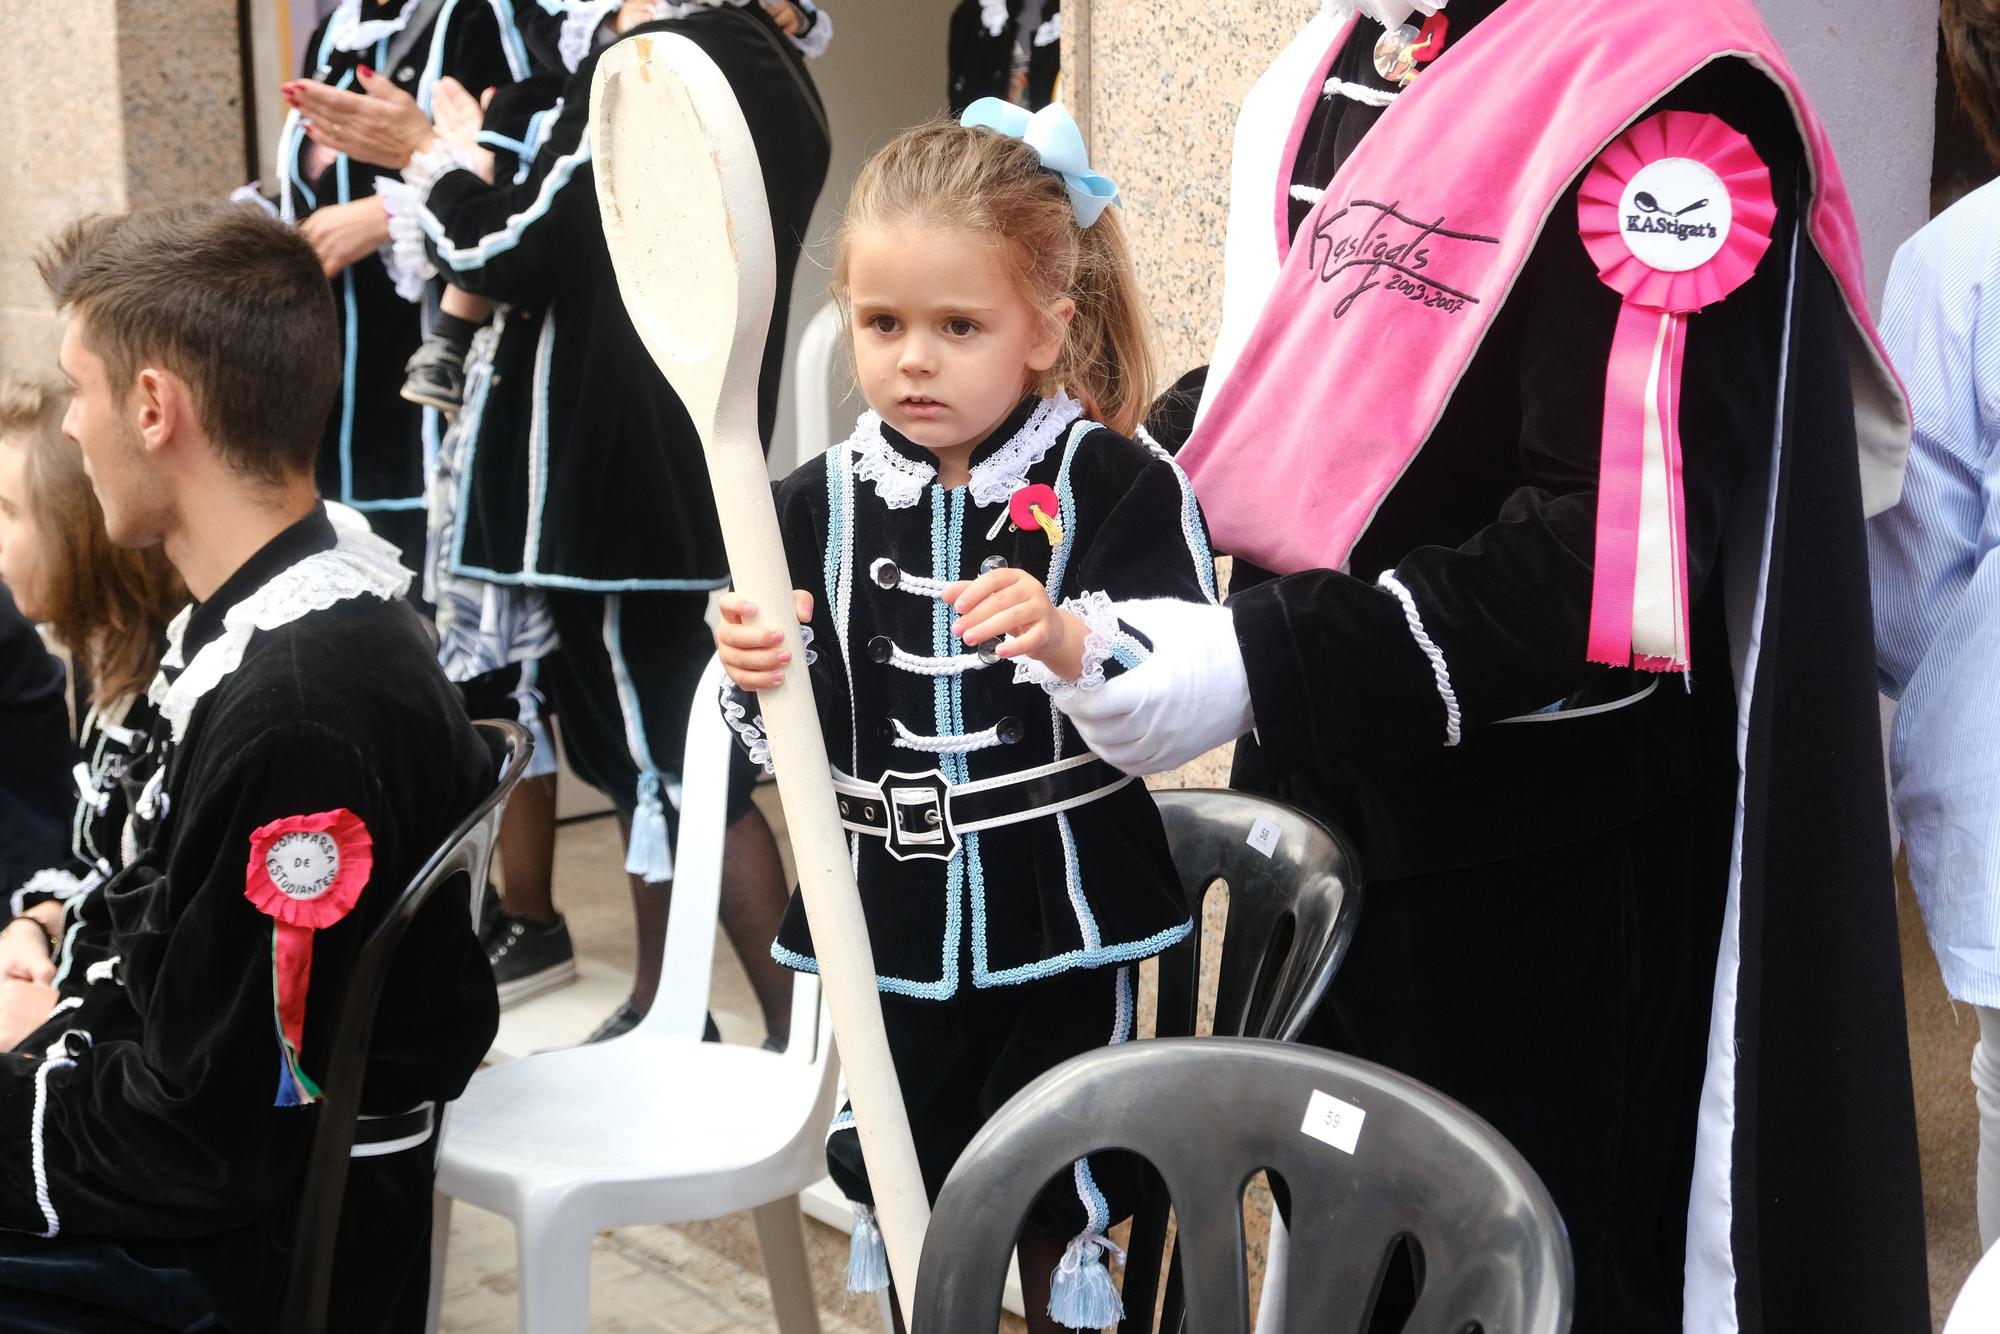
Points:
(1675, 214)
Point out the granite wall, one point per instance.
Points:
(108, 104)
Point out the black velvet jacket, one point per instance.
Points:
(159, 1116)
(1492, 530)
(1081, 889)
(372, 455)
(585, 471)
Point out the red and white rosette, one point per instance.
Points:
(306, 872)
(1675, 214)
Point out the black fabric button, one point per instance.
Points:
(989, 652)
(992, 563)
(881, 648)
(885, 573)
(76, 1044)
(1010, 731)
(885, 732)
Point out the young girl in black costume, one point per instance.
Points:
(963, 556)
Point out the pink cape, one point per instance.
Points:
(1419, 240)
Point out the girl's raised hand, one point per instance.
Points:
(753, 656)
(1012, 602)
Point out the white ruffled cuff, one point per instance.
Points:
(814, 40)
(408, 263)
(427, 164)
(749, 728)
(54, 882)
(1100, 615)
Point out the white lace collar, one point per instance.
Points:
(358, 564)
(348, 31)
(900, 480)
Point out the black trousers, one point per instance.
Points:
(93, 1286)
(1564, 996)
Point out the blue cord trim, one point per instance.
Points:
(475, 256)
(376, 506)
(494, 139)
(350, 350)
(434, 66)
(1063, 963)
(511, 41)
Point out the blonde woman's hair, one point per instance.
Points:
(945, 175)
(109, 606)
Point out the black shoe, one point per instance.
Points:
(528, 959)
(620, 1022)
(435, 376)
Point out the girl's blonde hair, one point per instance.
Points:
(945, 175)
(109, 606)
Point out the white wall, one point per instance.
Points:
(884, 72)
(1870, 67)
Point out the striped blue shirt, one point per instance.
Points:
(1936, 582)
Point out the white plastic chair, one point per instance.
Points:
(1976, 1310)
(656, 1126)
(815, 387)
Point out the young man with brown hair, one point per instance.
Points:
(308, 758)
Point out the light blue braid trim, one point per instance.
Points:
(1127, 650)
(494, 139)
(1063, 963)
(1192, 531)
(434, 66)
(351, 346)
(476, 255)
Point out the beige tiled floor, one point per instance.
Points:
(644, 1280)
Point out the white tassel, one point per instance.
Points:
(1081, 1293)
(649, 855)
(867, 1254)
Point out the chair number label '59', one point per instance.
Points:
(1332, 1121)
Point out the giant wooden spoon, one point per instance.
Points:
(685, 216)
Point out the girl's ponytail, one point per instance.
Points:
(1108, 359)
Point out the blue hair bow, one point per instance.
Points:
(1052, 133)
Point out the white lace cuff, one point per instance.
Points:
(819, 30)
(409, 265)
(749, 730)
(427, 164)
(1100, 614)
(55, 882)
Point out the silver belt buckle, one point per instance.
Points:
(918, 807)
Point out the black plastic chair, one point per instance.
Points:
(1291, 917)
(1422, 1173)
(466, 854)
